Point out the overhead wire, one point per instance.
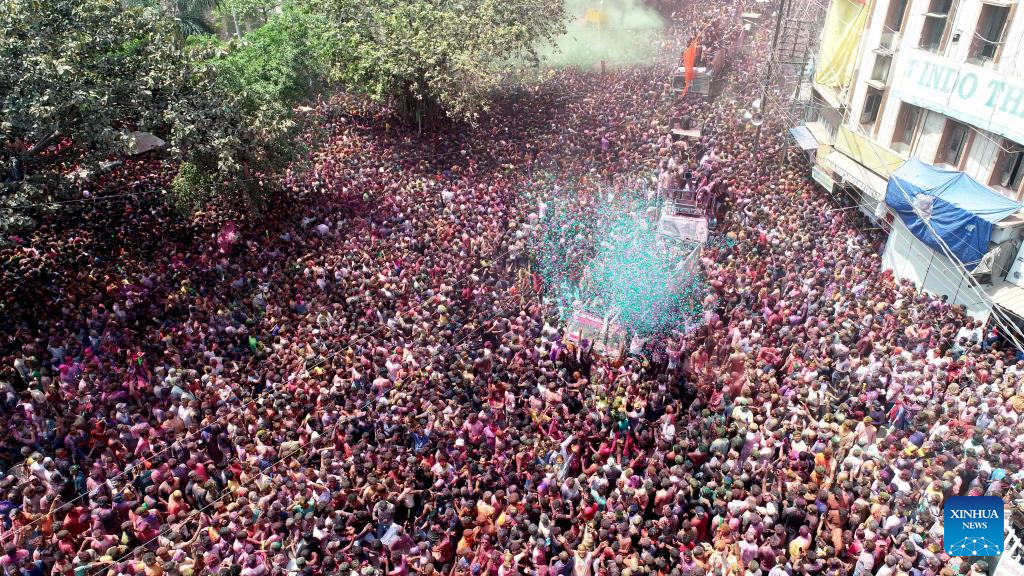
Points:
(1016, 334)
(301, 373)
(368, 164)
(1006, 323)
(254, 400)
(125, 195)
(305, 371)
(1009, 327)
(333, 426)
(509, 303)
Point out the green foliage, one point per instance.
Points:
(425, 54)
(235, 135)
(277, 62)
(15, 214)
(88, 69)
(82, 74)
(190, 188)
(189, 17)
(237, 127)
(249, 10)
(77, 76)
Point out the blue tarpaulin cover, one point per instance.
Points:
(959, 208)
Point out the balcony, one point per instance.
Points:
(888, 44)
(879, 78)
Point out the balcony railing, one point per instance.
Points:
(889, 42)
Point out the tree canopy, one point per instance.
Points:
(238, 124)
(77, 77)
(86, 69)
(444, 56)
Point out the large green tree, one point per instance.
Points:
(77, 76)
(239, 121)
(430, 56)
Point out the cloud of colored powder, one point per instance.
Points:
(619, 32)
(607, 258)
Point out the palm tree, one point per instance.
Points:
(190, 17)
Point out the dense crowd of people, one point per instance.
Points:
(370, 380)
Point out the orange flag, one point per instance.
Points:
(688, 60)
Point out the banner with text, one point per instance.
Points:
(978, 96)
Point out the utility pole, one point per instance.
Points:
(768, 72)
(792, 103)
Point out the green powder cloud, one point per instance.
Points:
(620, 32)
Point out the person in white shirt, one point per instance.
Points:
(970, 331)
(853, 462)
(742, 412)
(668, 428)
(866, 560)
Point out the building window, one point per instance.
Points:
(1009, 171)
(940, 7)
(893, 24)
(936, 20)
(894, 17)
(872, 103)
(989, 33)
(880, 70)
(931, 34)
(907, 123)
(953, 143)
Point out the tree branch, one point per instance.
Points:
(42, 144)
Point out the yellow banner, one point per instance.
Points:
(844, 26)
(875, 157)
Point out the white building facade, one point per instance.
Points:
(943, 81)
(937, 80)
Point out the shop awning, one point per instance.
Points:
(804, 138)
(820, 133)
(857, 174)
(829, 95)
(877, 158)
(1007, 295)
